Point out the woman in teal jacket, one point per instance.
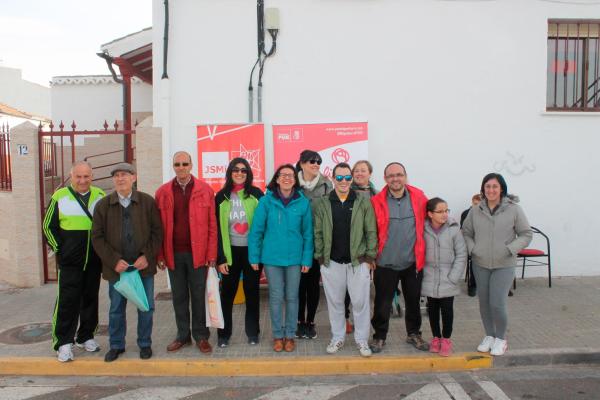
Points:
(235, 205)
(281, 237)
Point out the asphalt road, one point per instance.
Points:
(547, 383)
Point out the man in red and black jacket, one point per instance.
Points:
(400, 210)
(187, 211)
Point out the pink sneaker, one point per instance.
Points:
(445, 347)
(434, 345)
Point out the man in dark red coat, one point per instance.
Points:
(400, 210)
(187, 211)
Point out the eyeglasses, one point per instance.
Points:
(446, 211)
(181, 164)
(318, 162)
(392, 176)
(340, 178)
(239, 171)
(286, 176)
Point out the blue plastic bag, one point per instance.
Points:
(131, 287)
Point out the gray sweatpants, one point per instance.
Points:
(492, 289)
(337, 278)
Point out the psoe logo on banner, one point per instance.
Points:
(340, 155)
(291, 135)
(214, 164)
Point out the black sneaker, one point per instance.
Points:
(222, 342)
(377, 345)
(113, 354)
(253, 340)
(300, 330)
(311, 332)
(145, 352)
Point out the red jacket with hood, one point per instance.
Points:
(203, 223)
(418, 201)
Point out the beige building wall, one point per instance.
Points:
(20, 216)
(149, 156)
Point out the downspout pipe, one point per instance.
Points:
(165, 41)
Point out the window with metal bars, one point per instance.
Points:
(573, 65)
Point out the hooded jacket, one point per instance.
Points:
(281, 235)
(494, 240)
(445, 260)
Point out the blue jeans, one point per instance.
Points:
(283, 282)
(117, 317)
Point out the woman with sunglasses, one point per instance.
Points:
(314, 186)
(235, 205)
(281, 238)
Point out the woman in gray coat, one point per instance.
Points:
(495, 231)
(445, 260)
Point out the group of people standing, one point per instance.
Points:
(304, 229)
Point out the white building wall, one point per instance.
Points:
(91, 100)
(453, 89)
(23, 95)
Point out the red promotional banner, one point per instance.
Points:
(219, 144)
(335, 142)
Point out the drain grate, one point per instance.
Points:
(27, 334)
(36, 333)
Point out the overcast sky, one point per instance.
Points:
(46, 38)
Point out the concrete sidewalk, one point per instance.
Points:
(546, 325)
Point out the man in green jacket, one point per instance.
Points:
(346, 246)
(67, 226)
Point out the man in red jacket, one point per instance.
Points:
(187, 211)
(400, 210)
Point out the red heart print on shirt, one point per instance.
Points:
(241, 228)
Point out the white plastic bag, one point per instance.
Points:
(214, 312)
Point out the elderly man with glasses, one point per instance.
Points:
(126, 233)
(187, 211)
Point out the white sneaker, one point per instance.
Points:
(486, 344)
(89, 345)
(65, 353)
(335, 346)
(364, 349)
(499, 347)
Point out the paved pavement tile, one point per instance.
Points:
(564, 316)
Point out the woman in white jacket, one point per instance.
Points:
(495, 231)
(445, 261)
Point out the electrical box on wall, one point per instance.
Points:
(272, 18)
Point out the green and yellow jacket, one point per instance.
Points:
(68, 228)
(223, 208)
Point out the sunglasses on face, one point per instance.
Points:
(239, 170)
(340, 178)
(181, 164)
(318, 162)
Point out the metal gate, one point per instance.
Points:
(59, 149)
